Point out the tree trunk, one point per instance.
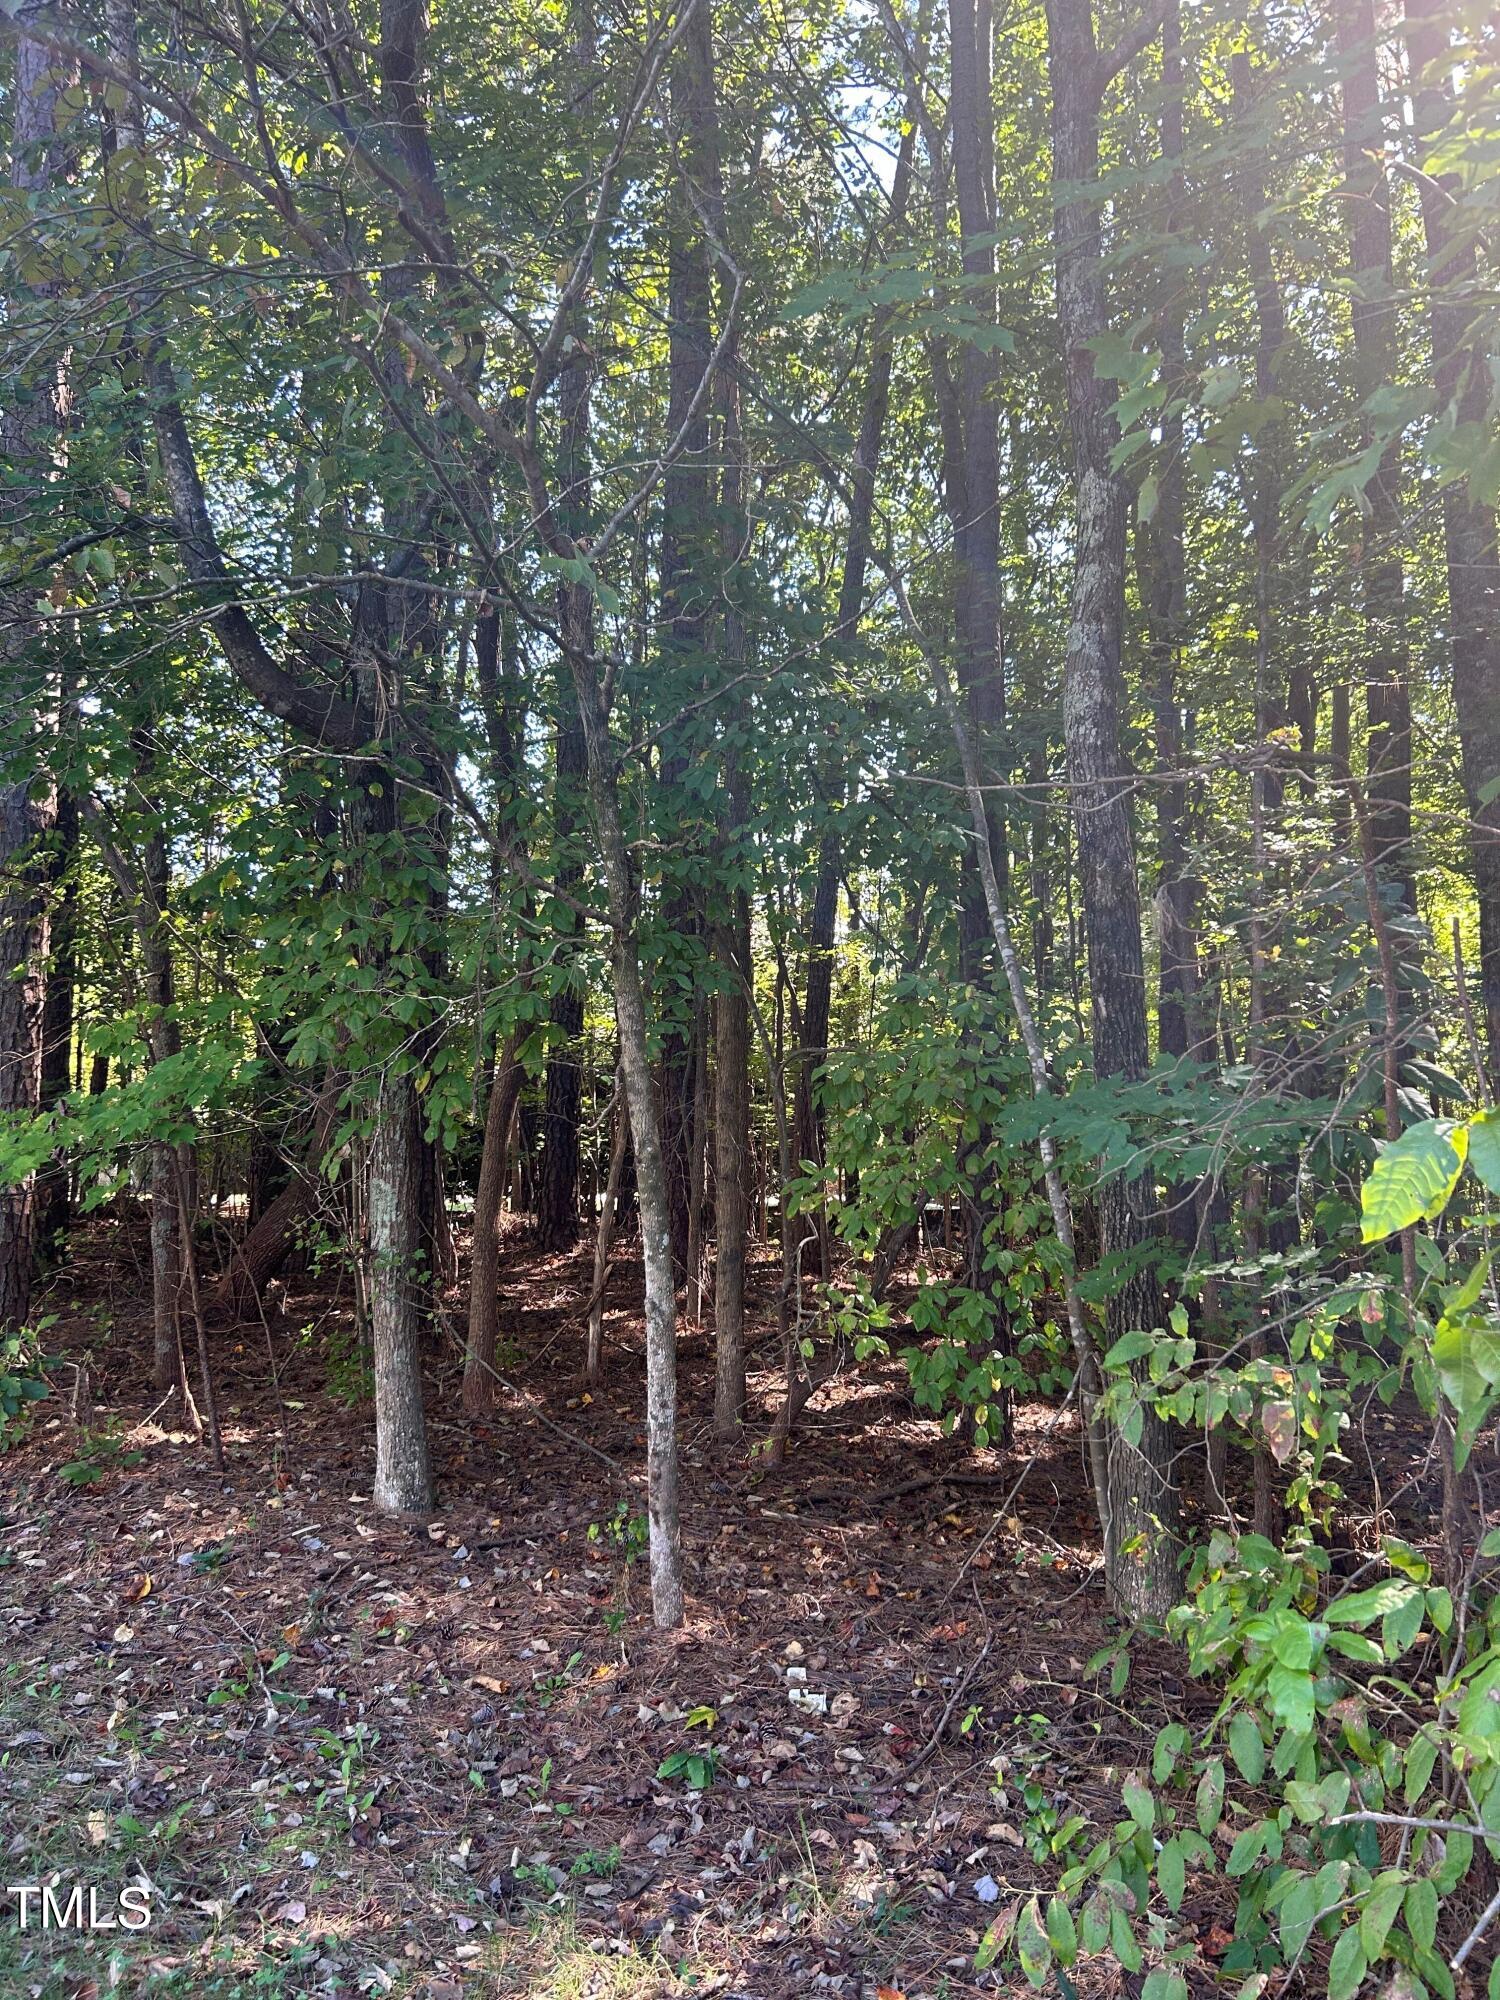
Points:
(651, 1177)
(1460, 374)
(166, 1040)
(1141, 1530)
(29, 429)
(1161, 565)
(1373, 315)
(403, 1476)
(732, 953)
(593, 1366)
(484, 1258)
(688, 538)
(557, 1219)
(269, 1241)
(54, 1201)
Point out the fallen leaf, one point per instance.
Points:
(136, 1591)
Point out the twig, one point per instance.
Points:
(954, 1699)
(569, 1437)
(1488, 1916)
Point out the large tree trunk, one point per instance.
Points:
(29, 430)
(1141, 1531)
(1373, 316)
(1460, 374)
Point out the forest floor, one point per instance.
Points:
(350, 1755)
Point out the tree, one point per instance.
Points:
(1141, 1525)
(28, 794)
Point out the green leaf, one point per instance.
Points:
(1062, 1933)
(1401, 1625)
(1420, 1759)
(1379, 1913)
(1139, 1803)
(1210, 1799)
(1420, 1910)
(1171, 1874)
(1484, 1148)
(1170, 1744)
(1290, 1695)
(1365, 1606)
(1032, 1945)
(1412, 1179)
(1247, 1747)
(1122, 1940)
(1347, 1967)
(1162, 1983)
(1247, 1849)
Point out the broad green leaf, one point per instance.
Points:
(1171, 1874)
(1347, 1967)
(1139, 1803)
(1484, 1148)
(1420, 1910)
(1248, 1748)
(1379, 1913)
(1062, 1933)
(1411, 1180)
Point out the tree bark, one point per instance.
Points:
(688, 540)
(1373, 316)
(1473, 561)
(593, 1366)
(403, 1474)
(1141, 1528)
(665, 1539)
(557, 1218)
(29, 430)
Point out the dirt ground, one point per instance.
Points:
(347, 1755)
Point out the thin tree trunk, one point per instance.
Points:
(697, 1180)
(166, 1040)
(264, 1249)
(688, 538)
(593, 1366)
(665, 1538)
(557, 1218)
(484, 1255)
(1373, 315)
